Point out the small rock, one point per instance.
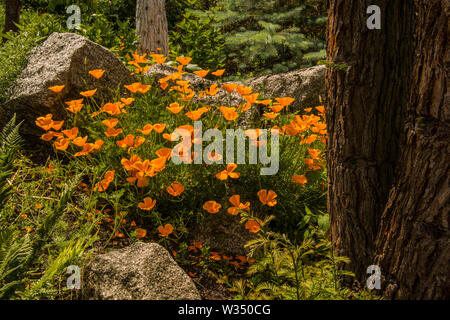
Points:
(142, 271)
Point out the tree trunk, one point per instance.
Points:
(413, 245)
(364, 113)
(388, 155)
(151, 26)
(12, 15)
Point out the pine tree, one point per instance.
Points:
(271, 36)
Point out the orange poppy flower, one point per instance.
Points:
(112, 132)
(229, 87)
(138, 141)
(56, 125)
(175, 189)
(300, 179)
(158, 164)
(74, 105)
(130, 142)
(253, 225)
(57, 89)
(158, 127)
(264, 102)
(146, 130)
(111, 123)
(242, 90)
(62, 143)
(98, 144)
(164, 85)
(45, 122)
(285, 101)
(164, 153)
(141, 233)
(251, 98)
(160, 60)
(48, 136)
(74, 102)
(267, 197)
(169, 137)
(186, 127)
(138, 87)
(187, 97)
(89, 93)
(321, 109)
(309, 139)
(236, 202)
(147, 205)
(308, 110)
(71, 133)
(175, 108)
(196, 114)
(79, 141)
(276, 108)
(75, 108)
(202, 73)
(138, 58)
(229, 113)
(127, 101)
(229, 172)
(219, 73)
(129, 164)
(97, 73)
(271, 115)
(184, 60)
(213, 90)
(87, 148)
(166, 230)
(212, 206)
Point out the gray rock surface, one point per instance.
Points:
(64, 58)
(198, 84)
(142, 271)
(304, 85)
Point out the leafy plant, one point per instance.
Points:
(289, 271)
(196, 37)
(9, 144)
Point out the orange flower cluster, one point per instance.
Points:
(65, 137)
(140, 171)
(308, 128)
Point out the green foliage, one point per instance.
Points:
(116, 34)
(9, 144)
(34, 28)
(197, 38)
(20, 252)
(270, 36)
(289, 271)
(14, 251)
